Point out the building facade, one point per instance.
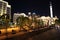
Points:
(9, 10)
(16, 15)
(46, 19)
(5, 8)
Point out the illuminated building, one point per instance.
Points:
(16, 15)
(4, 8)
(47, 20)
(9, 10)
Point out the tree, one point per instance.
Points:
(57, 22)
(5, 20)
(21, 21)
(34, 22)
(26, 21)
(41, 24)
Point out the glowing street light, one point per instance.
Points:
(15, 24)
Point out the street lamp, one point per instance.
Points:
(15, 24)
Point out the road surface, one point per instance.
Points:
(51, 34)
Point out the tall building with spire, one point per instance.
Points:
(5, 8)
(51, 11)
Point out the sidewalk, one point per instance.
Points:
(11, 35)
(19, 33)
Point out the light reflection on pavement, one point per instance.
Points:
(52, 34)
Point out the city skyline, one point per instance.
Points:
(39, 7)
(29, 20)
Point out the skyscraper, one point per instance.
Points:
(5, 8)
(9, 11)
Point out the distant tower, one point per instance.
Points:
(51, 21)
(51, 11)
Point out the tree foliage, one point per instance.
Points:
(57, 21)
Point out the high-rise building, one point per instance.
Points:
(4, 8)
(9, 10)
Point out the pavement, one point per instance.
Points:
(22, 35)
(2, 37)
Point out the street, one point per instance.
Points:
(51, 34)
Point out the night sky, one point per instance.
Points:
(40, 7)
